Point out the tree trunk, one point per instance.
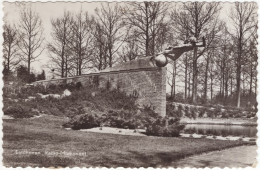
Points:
(238, 85)
(173, 87)
(243, 83)
(174, 69)
(147, 30)
(66, 66)
(226, 87)
(100, 58)
(238, 76)
(62, 67)
(206, 80)
(251, 78)
(211, 88)
(223, 79)
(189, 81)
(194, 77)
(186, 76)
(231, 86)
(8, 57)
(29, 65)
(110, 57)
(80, 67)
(220, 87)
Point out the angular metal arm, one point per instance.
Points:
(174, 53)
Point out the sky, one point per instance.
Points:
(49, 10)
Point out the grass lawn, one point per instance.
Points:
(45, 134)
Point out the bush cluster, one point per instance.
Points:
(83, 121)
(144, 118)
(179, 110)
(159, 128)
(127, 119)
(248, 100)
(20, 111)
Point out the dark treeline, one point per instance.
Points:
(118, 32)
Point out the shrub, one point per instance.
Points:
(78, 86)
(130, 124)
(180, 108)
(159, 128)
(119, 100)
(113, 121)
(210, 113)
(19, 111)
(14, 110)
(149, 111)
(194, 111)
(170, 110)
(124, 119)
(187, 111)
(202, 111)
(225, 114)
(84, 121)
(217, 111)
(172, 130)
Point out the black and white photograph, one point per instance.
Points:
(132, 84)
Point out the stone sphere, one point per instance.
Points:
(161, 60)
(193, 39)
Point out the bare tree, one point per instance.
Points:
(81, 43)
(192, 20)
(110, 19)
(243, 16)
(129, 50)
(208, 57)
(174, 75)
(59, 47)
(147, 20)
(30, 33)
(252, 65)
(212, 74)
(184, 70)
(224, 61)
(99, 59)
(10, 47)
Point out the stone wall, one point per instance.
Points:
(137, 77)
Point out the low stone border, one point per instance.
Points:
(6, 117)
(37, 116)
(111, 130)
(233, 138)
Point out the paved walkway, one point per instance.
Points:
(242, 156)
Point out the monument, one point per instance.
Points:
(144, 77)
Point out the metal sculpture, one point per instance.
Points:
(161, 59)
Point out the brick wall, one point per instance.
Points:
(136, 77)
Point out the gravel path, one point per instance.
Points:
(242, 156)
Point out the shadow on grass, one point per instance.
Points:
(39, 161)
(159, 159)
